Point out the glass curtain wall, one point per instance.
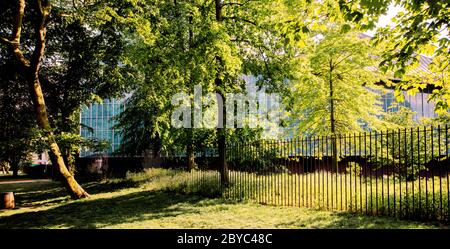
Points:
(99, 117)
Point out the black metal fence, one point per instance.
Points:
(402, 173)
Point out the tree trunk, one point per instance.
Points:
(191, 159)
(221, 140)
(72, 186)
(15, 168)
(333, 121)
(30, 71)
(223, 166)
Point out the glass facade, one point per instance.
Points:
(99, 117)
(418, 103)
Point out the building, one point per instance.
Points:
(100, 117)
(97, 121)
(418, 103)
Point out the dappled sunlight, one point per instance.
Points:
(139, 201)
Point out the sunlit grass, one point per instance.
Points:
(425, 198)
(157, 198)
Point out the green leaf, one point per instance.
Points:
(399, 73)
(345, 28)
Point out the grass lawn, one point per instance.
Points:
(151, 200)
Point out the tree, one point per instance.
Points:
(90, 66)
(212, 44)
(338, 65)
(15, 108)
(197, 43)
(19, 136)
(81, 59)
(29, 69)
(422, 27)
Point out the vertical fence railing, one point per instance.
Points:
(402, 173)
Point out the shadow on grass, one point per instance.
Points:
(353, 220)
(92, 213)
(347, 220)
(10, 177)
(128, 207)
(31, 194)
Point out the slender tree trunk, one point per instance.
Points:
(72, 186)
(15, 168)
(30, 69)
(190, 140)
(221, 132)
(191, 157)
(332, 120)
(223, 166)
(221, 139)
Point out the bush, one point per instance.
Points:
(204, 183)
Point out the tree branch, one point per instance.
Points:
(235, 3)
(41, 31)
(237, 19)
(39, 7)
(14, 42)
(341, 60)
(241, 40)
(17, 27)
(5, 41)
(269, 73)
(218, 5)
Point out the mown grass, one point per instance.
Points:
(424, 198)
(167, 199)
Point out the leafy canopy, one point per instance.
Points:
(341, 61)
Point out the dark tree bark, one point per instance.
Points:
(190, 156)
(30, 70)
(15, 168)
(190, 133)
(332, 120)
(221, 132)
